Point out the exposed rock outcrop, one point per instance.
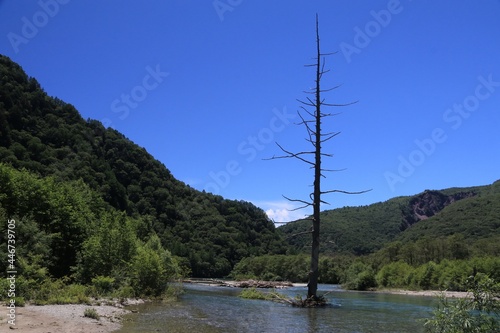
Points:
(428, 204)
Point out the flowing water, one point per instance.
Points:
(207, 309)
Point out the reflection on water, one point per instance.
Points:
(218, 309)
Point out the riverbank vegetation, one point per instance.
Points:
(71, 246)
(478, 313)
(367, 273)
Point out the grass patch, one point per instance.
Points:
(19, 301)
(91, 313)
(298, 301)
(60, 291)
(252, 293)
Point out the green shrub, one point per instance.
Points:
(359, 276)
(125, 292)
(104, 285)
(46, 290)
(330, 269)
(394, 275)
(426, 276)
(478, 313)
(487, 265)
(366, 280)
(91, 313)
(252, 293)
(19, 301)
(57, 292)
(453, 274)
(152, 268)
(149, 278)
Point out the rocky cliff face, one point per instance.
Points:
(428, 204)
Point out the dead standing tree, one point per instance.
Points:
(316, 138)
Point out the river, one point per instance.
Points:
(208, 309)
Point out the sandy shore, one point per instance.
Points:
(429, 293)
(62, 319)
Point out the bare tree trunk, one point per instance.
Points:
(315, 138)
(312, 286)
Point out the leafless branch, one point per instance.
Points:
(310, 132)
(330, 89)
(291, 155)
(308, 112)
(328, 54)
(347, 104)
(330, 133)
(330, 137)
(345, 192)
(331, 114)
(333, 170)
(306, 204)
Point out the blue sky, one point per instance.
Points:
(207, 87)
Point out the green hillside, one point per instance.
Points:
(433, 240)
(473, 212)
(357, 230)
(48, 138)
(475, 217)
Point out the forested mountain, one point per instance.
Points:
(48, 138)
(472, 212)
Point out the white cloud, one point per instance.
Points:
(278, 215)
(282, 211)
